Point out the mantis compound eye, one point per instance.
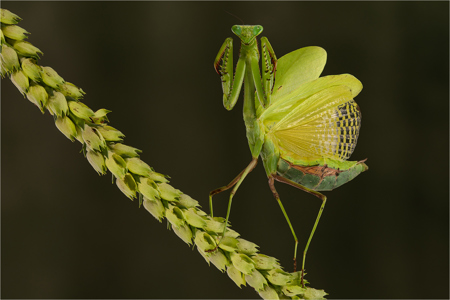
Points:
(237, 30)
(257, 30)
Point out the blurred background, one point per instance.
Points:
(68, 233)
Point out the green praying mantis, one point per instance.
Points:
(303, 127)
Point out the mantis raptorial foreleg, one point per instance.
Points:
(315, 193)
(269, 67)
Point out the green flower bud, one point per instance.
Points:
(228, 244)
(175, 216)
(293, 290)
(7, 17)
(247, 247)
(97, 161)
(155, 207)
(243, 263)
(256, 281)
(51, 78)
(279, 277)
(124, 150)
(80, 110)
(66, 126)
(188, 202)
(168, 192)
(148, 188)
(127, 185)
(236, 276)
(158, 177)
(214, 226)
(70, 90)
(30, 69)
(219, 260)
(204, 241)
(137, 166)
(311, 293)
(110, 133)
(26, 49)
(10, 60)
(14, 32)
(264, 262)
(38, 96)
(92, 138)
(57, 104)
(116, 165)
(184, 233)
(20, 81)
(268, 293)
(194, 219)
(100, 116)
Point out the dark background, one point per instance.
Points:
(68, 233)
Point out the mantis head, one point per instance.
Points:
(247, 33)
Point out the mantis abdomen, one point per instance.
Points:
(320, 177)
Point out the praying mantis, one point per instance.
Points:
(303, 126)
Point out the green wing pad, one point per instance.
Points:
(319, 177)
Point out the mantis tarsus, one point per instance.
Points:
(303, 127)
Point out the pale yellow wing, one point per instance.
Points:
(323, 125)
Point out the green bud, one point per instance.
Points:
(51, 78)
(184, 233)
(57, 104)
(38, 96)
(256, 281)
(168, 192)
(125, 150)
(116, 165)
(188, 202)
(242, 262)
(20, 81)
(92, 138)
(14, 32)
(127, 185)
(268, 293)
(7, 17)
(279, 277)
(66, 126)
(70, 90)
(264, 262)
(158, 177)
(100, 116)
(228, 244)
(10, 60)
(311, 293)
(148, 188)
(236, 276)
(155, 207)
(214, 226)
(97, 161)
(205, 255)
(80, 110)
(110, 133)
(175, 216)
(293, 290)
(194, 219)
(247, 247)
(219, 260)
(137, 166)
(204, 241)
(26, 49)
(30, 69)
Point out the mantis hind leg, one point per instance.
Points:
(315, 193)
